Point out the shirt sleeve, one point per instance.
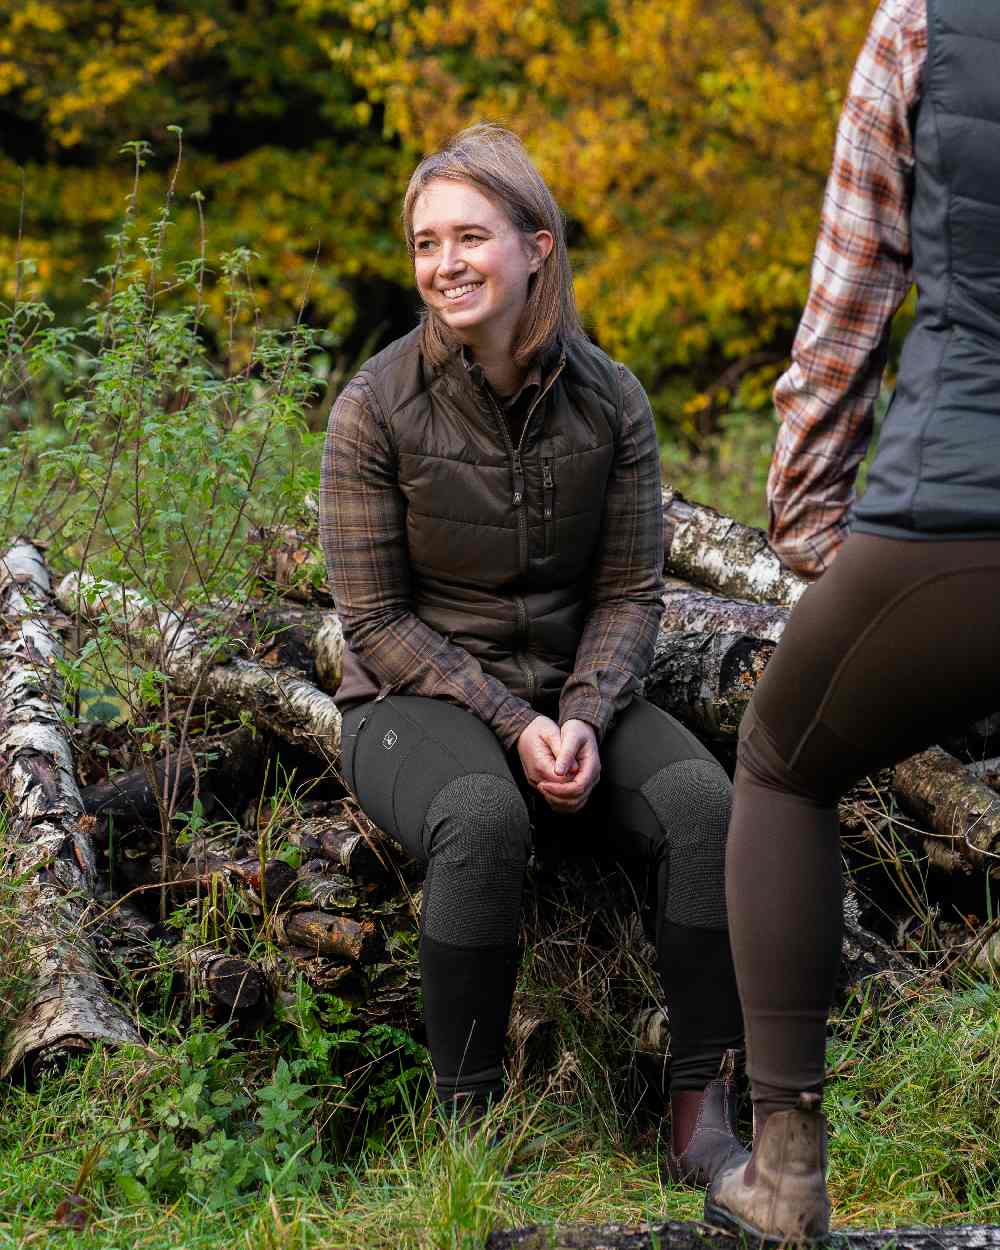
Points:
(363, 531)
(860, 274)
(626, 590)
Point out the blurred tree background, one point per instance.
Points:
(688, 144)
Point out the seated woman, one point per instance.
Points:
(491, 516)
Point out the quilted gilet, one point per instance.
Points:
(500, 537)
(937, 470)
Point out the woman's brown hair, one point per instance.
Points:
(494, 160)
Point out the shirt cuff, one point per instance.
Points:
(508, 727)
(586, 705)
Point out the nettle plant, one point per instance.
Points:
(144, 454)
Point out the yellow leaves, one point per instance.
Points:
(31, 14)
(77, 82)
(689, 141)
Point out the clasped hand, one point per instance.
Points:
(563, 765)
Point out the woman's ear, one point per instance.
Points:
(540, 244)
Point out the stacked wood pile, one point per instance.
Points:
(277, 891)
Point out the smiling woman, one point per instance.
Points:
(474, 269)
(491, 514)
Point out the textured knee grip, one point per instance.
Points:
(691, 801)
(477, 838)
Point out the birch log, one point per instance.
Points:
(279, 699)
(67, 1005)
(711, 652)
(706, 679)
(705, 546)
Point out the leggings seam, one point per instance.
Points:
(873, 624)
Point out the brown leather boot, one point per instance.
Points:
(703, 1129)
(779, 1197)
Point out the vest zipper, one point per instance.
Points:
(522, 659)
(547, 491)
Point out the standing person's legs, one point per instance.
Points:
(664, 796)
(436, 778)
(895, 644)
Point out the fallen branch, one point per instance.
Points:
(230, 987)
(67, 1006)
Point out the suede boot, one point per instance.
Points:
(703, 1130)
(780, 1196)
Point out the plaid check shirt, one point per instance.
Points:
(861, 273)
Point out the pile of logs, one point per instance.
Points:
(311, 889)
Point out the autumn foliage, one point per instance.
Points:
(687, 142)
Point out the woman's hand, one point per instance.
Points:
(577, 768)
(538, 746)
(563, 765)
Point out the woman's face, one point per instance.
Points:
(472, 265)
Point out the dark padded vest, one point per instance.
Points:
(936, 473)
(501, 538)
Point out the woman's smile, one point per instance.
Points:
(456, 293)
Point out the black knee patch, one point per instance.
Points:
(477, 838)
(691, 800)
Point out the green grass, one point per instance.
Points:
(914, 1115)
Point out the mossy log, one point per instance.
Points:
(67, 1005)
(228, 987)
(263, 885)
(683, 1235)
(338, 937)
(961, 811)
(347, 838)
(706, 679)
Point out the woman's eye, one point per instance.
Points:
(472, 238)
(425, 245)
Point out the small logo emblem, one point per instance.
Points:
(390, 739)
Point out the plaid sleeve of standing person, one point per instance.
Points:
(861, 272)
(363, 530)
(626, 587)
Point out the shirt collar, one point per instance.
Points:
(532, 380)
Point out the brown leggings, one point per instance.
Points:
(895, 645)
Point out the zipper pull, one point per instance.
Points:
(518, 480)
(547, 484)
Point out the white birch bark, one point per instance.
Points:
(704, 546)
(279, 699)
(67, 1006)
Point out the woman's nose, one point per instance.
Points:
(452, 260)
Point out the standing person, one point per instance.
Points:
(898, 639)
(491, 515)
